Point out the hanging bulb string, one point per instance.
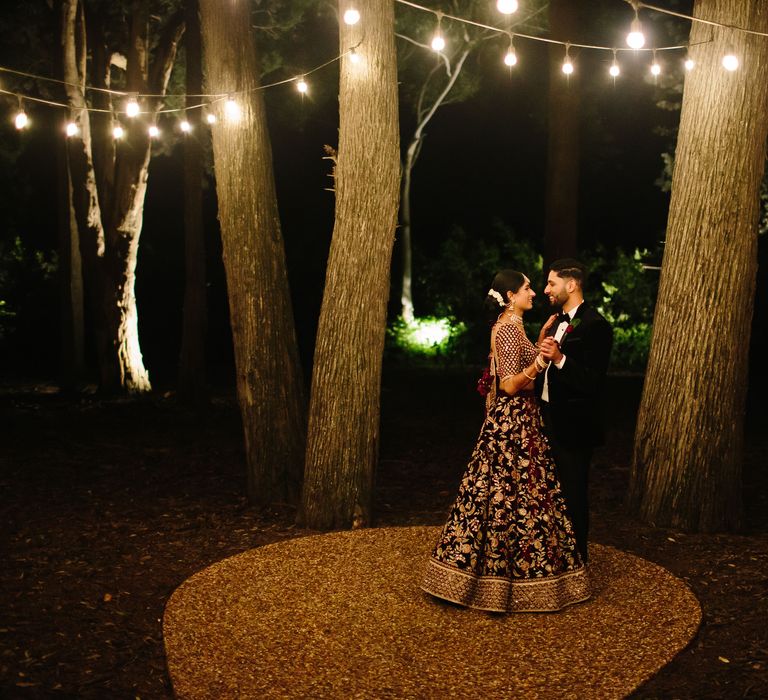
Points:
(213, 98)
(543, 39)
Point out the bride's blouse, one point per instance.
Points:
(513, 351)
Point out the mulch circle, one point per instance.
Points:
(340, 615)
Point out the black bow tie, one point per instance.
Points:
(562, 317)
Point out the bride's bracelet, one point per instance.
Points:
(540, 364)
(528, 375)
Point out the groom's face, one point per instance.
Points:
(556, 289)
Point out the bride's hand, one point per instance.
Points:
(549, 323)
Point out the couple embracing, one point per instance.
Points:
(516, 535)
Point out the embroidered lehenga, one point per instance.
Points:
(508, 544)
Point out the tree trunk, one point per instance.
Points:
(342, 447)
(686, 470)
(109, 184)
(562, 193)
(269, 384)
(71, 280)
(192, 358)
(423, 116)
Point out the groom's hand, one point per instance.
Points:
(550, 350)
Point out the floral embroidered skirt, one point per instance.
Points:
(508, 545)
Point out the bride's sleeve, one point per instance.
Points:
(508, 352)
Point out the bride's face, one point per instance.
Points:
(524, 297)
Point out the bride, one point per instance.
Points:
(508, 544)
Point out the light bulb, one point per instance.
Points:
(351, 16)
(21, 120)
(614, 70)
(655, 69)
(511, 58)
(302, 86)
(132, 108)
(185, 126)
(118, 132)
(689, 64)
(72, 129)
(567, 67)
(153, 131)
(438, 43)
(354, 57)
(635, 38)
(210, 118)
(506, 7)
(730, 62)
(232, 111)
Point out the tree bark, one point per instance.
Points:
(109, 183)
(269, 384)
(342, 446)
(686, 470)
(562, 191)
(70, 280)
(192, 357)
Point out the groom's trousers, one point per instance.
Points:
(572, 468)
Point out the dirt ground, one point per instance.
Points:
(107, 506)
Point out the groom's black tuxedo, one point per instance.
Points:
(572, 416)
(575, 390)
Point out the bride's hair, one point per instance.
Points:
(505, 281)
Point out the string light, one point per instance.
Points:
(118, 132)
(614, 70)
(351, 16)
(232, 110)
(506, 7)
(301, 86)
(354, 57)
(635, 38)
(210, 118)
(510, 59)
(153, 132)
(689, 64)
(21, 119)
(567, 64)
(72, 129)
(132, 109)
(438, 43)
(185, 126)
(730, 62)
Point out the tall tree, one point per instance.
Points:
(435, 80)
(562, 193)
(70, 278)
(109, 176)
(342, 444)
(688, 450)
(269, 383)
(191, 385)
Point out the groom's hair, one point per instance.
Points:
(570, 268)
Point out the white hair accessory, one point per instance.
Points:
(493, 293)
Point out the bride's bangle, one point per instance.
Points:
(529, 376)
(540, 363)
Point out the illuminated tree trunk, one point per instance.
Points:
(269, 384)
(688, 450)
(562, 193)
(192, 357)
(109, 182)
(342, 445)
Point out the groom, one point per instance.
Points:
(578, 349)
